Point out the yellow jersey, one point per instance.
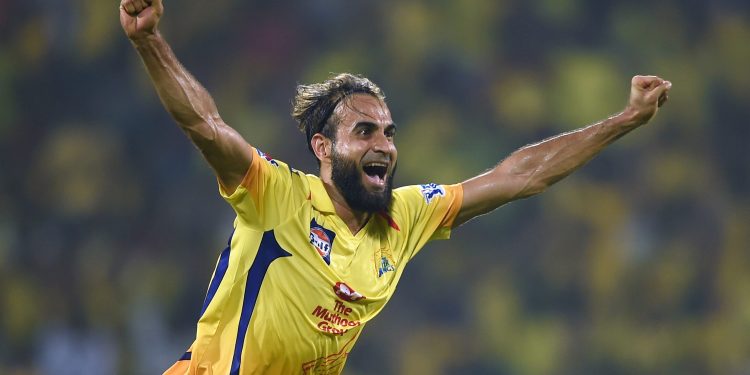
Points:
(293, 289)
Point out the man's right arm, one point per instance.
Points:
(183, 96)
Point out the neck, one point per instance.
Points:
(354, 220)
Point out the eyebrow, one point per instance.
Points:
(370, 124)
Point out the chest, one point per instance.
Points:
(330, 263)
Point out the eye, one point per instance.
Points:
(363, 129)
(390, 131)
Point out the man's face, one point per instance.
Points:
(363, 158)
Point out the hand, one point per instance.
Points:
(647, 94)
(139, 18)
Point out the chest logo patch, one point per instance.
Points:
(346, 293)
(430, 191)
(322, 240)
(383, 261)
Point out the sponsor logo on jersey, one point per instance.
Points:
(322, 240)
(268, 158)
(383, 260)
(346, 293)
(329, 364)
(336, 320)
(430, 191)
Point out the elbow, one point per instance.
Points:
(200, 125)
(531, 189)
(202, 132)
(533, 184)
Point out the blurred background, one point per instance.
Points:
(111, 223)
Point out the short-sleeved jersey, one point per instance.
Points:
(294, 288)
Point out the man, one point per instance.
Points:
(313, 258)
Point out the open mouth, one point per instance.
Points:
(376, 172)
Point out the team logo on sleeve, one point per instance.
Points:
(430, 191)
(268, 158)
(346, 293)
(322, 240)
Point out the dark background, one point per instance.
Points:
(110, 221)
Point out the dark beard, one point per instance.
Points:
(346, 177)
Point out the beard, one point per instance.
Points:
(347, 178)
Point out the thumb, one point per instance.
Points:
(646, 82)
(157, 5)
(658, 92)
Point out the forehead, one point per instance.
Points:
(360, 107)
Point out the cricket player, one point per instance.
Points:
(313, 258)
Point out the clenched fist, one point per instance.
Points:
(647, 94)
(139, 18)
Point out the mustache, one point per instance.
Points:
(385, 160)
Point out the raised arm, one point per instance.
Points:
(533, 168)
(183, 96)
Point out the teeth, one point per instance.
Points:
(376, 165)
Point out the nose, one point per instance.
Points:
(382, 144)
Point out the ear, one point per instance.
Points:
(322, 147)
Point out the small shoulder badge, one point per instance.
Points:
(268, 158)
(430, 191)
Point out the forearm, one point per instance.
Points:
(182, 95)
(540, 165)
(533, 168)
(194, 110)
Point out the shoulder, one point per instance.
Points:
(268, 165)
(268, 175)
(426, 199)
(424, 193)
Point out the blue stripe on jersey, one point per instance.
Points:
(221, 269)
(268, 251)
(186, 356)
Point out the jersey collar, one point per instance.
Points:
(319, 196)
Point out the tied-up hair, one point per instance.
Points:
(314, 104)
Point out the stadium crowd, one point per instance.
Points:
(638, 263)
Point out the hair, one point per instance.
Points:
(314, 104)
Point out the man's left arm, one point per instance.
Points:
(533, 168)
